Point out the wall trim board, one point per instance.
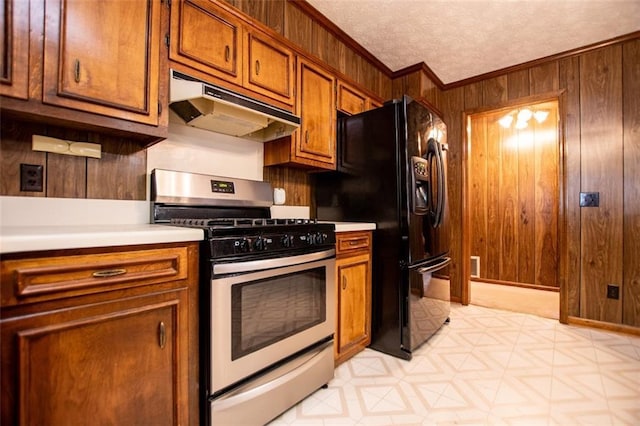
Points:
(540, 61)
(519, 102)
(421, 66)
(516, 284)
(323, 21)
(608, 326)
(350, 43)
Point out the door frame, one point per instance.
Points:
(563, 253)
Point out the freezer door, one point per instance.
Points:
(429, 302)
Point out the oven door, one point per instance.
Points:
(263, 311)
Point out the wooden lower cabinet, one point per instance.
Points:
(353, 282)
(118, 354)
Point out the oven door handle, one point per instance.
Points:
(257, 265)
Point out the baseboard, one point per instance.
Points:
(608, 326)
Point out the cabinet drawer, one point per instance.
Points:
(352, 241)
(47, 278)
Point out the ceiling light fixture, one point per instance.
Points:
(541, 115)
(522, 117)
(506, 121)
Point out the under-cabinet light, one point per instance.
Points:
(61, 146)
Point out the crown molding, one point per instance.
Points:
(322, 20)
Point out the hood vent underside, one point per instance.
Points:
(205, 106)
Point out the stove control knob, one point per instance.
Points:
(260, 244)
(287, 241)
(311, 239)
(242, 246)
(320, 238)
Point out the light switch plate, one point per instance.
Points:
(589, 199)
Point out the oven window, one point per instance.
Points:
(266, 311)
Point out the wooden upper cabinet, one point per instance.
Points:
(206, 38)
(313, 145)
(269, 68)
(111, 70)
(350, 100)
(14, 42)
(316, 138)
(373, 104)
(209, 39)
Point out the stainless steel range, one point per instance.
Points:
(267, 292)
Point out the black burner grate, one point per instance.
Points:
(238, 222)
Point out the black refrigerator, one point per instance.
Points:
(392, 170)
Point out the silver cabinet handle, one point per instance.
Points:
(109, 273)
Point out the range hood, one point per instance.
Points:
(205, 106)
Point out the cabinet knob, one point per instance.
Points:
(162, 335)
(227, 53)
(76, 70)
(257, 67)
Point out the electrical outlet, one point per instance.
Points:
(31, 177)
(589, 199)
(613, 291)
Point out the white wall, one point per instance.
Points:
(188, 149)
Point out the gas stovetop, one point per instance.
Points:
(238, 222)
(235, 215)
(243, 236)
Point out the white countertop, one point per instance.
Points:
(15, 239)
(352, 226)
(39, 223)
(35, 224)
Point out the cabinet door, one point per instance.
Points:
(207, 39)
(317, 134)
(350, 100)
(373, 104)
(269, 68)
(120, 362)
(14, 42)
(105, 69)
(354, 324)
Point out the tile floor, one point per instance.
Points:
(487, 367)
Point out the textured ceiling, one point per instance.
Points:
(459, 39)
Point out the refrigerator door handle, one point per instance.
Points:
(441, 187)
(445, 261)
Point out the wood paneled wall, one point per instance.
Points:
(292, 21)
(513, 197)
(600, 113)
(119, 175)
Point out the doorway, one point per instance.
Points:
(513, 205)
